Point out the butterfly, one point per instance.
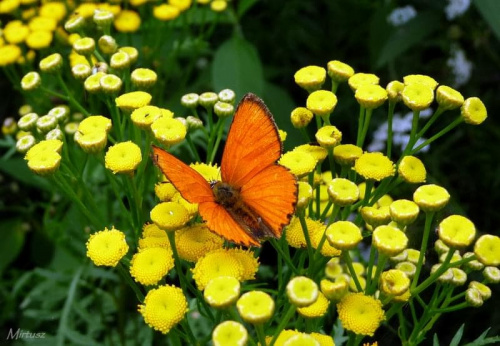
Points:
(256, 197)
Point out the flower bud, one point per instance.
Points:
(103, 18)
(28, 121)
(25, 143)
(110, 83)
(107, 44)
(84, 46)
(143, 78)
(190, 100)
(74, 24)
(55, 134)
(61, 113)
(9, 126)
(223, 109)
(51, 64)
(193, 123)
(208, 99)
(227, 95)
(120, 61)
(31, 81)
(46, 123)
(132, 53)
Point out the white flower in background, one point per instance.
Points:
(456, 8)
(460, 67)
(401, 15)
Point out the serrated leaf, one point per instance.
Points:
(458, 336)
(490, 10)
(405, 36)
(237, 66)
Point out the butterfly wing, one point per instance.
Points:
(191, 185)
(252, 143)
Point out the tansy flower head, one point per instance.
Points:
(370, 96)
(192, 208)
(304, 194)
(46, 123)
(44, 158)
(431, 197)
(214, 264)
(484, 290)
(301, 339)
(336, 290)
(227, 95)
(9, 54)
(343, 235)
(165, 191)
(223, 109)
(389, 240)
(222, 291)
(143, 78)
(84, 46)
(358, 79)
(327, 249)
(376, 216)
(347, 154)
(249, 262)
(319, 153)
(316, 309)
(412, 170)
(301, 117)
(169, 216)
(302, 291)
(473, 111)
(420, 79)
(51, 64)
(456, 231)
(92, 142)
(151, 230)
(150, 265)
(459, 277)
(133, 100)
(120, 61)
(310, 78)
(107, 44)
(283, 337)
(93, 82)
(194, 241)
(417, 97)
(110, 84)
(154, 242)
(394, 282)
(208, 171)
(407, 267)
(321, 102)
(31, 81)
(123, 157)
(487, 250)
(374, 166)
(491, 275)
(298, 162)
(333, 269)
(394, 90)
(169, 131)
(55, 134)
(473, 297)
(163, 308)
(208, 100)
(474, 264)
(413, 255)
(323, 340)
(28, 121)
(360, 314)
(338, 71)
(190, 100)
(328, 136)
(295, 234)
(255, 307)
(230, 333)
(24, 143)
(143, 117)
(448, 98)
(39, 39)
(106, 248)
(404, 212)
(127, 21)
(132, 53)
(343, 192)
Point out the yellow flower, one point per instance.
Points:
(456, 231)
(42, 23)
(319, 153)
(248, 261)
(412, 170)
(389, 240)
(9, 54)
(169, 216)
(295, 235)
(472, 265)
(95, 123)
(208, 171)
(132, 53)
(123, 157)
(301, 339)
(15, 32)
(230, 333)
(484, 290)
(168, 131)
(282, 135)
(154, 242)
(304, 194)
(127, 21)
(431, 197)
(208, 99)
(46, 146)
(321, 102)
(394, 90)
(120, 61)
(302, 291)
(44, 163)
(420, 79)
(165, 12)
(334, 291)
(448, 98)
(31, 81)
(328, 136)
(403, 211)
(214, 264)
(323, 340)
(106, 248)
(283, 337)
(151, 230)
(9, 126)
(459, 277)
(374, 166)
(39, 39)
(182, 5)
(165, 191)
(394, 282)
(473, 297)
(339, 71)
(360, 314)
(370, 96)
(347, 154)
(194, 241)
(298, 162)
(46, 123)
(310, 78)
(143, 117)
(150, 265)
(327, 249)
(407, 267)
(84, 46)
(316, 309)
(343, 192)
(143, 78)
(164, 307)
(8, 6)
(301, 117)
(491, 275)
(487, 250)
(473, 111)
(218, 5)
(417, 97)
(51, 64)
(133, 100)
(255, 307)
(222, 291)
(358, 79)
(343, 235)
(110, 84)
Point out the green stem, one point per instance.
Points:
(441, 133)
(423, 247)
(303, 224)
(177, 260)
(431, 121)
(54, 93)
(413, 134)
(371, 262)
(71, 99)
(433, 277)
(382, 259)
(259, 329)
(347, 258)
(390, 117)
(284, 256)
(133, 285)
(63, 322)
(220, 131)
(192, 147)
(361, 122)
(366, 125)
(288, 315)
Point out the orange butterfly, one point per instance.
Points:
(256, 197)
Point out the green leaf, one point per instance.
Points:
(490, 10)
(237, 66)
(435, 340)
(458, 336)
(18, 169)
(483, 340)
(406, 36)
(244, 6)
(12, 242)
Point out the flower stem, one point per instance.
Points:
(177, 261)
(347, 258)
(390, 117)
(259, 329)
(444, 131)
(423, 247)
(290, 312)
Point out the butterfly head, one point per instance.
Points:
(225, 194)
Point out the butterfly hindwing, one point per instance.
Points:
(252, 143)
(191, 185)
